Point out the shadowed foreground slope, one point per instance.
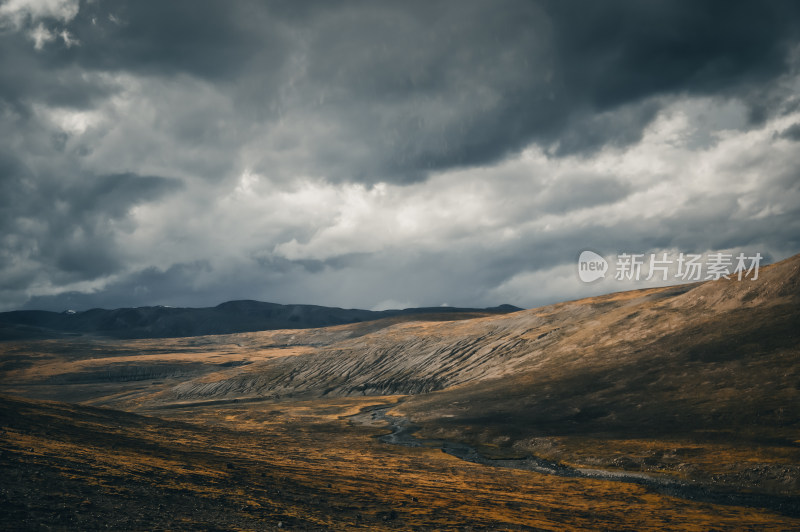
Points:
(296, 466)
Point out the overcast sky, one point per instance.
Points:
(385, 154)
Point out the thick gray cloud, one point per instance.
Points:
(360, 153)
(792, 132)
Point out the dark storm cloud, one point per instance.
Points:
(113, 195)
(190, 96)
(421, 87)
(147, 287)
(209, 39)
(792, 132)
(627, 51)
(50, 75)
(79, 242)
(483, 80)
(395, 90)
(66, 226)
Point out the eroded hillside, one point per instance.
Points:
(689, 390)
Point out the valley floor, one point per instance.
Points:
(300, 465)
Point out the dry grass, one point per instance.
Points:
(250, 466)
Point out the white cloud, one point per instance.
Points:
(17, 12)
(40, 36)
(70, 120)
(393, 304)
(38, 16)
(498, 202)
(480, 235)
(473, 236)
(68, 38)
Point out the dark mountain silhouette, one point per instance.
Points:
(226, 318)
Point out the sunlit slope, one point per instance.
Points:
(124, 372)
(713, 339)
(722, 356)
(718, 351)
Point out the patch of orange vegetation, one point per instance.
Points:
(321, 450)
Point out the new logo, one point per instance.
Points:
(591, 266)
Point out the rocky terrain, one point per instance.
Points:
(693, 390)
(297, 465)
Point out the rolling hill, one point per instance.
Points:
(690, 391)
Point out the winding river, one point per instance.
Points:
(402, 433)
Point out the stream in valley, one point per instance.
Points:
(402, 433)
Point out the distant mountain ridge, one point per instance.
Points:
(225, 318)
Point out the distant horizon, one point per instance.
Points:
(443, 306)
(610, 290)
